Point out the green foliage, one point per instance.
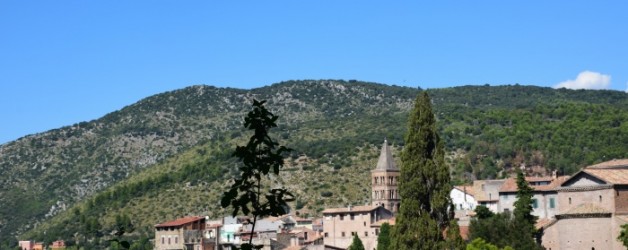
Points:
(453, 239)
(260, 157)
(482, 212)
(356, 244)
(523, 205)
(524, 221)
(503, 231)
(424, 184)
(481, 244)
(623, 235)
(383, 239)
(497, 229)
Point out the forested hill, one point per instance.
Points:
(161, 141)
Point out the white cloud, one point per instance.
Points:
(587, 80)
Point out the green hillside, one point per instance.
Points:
(169, 155)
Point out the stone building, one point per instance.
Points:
(544, 195)
(184, 233)
(487, 193)
(592, 205)
(463, 198)
(340, 224)
(31, 245)
(384, 179)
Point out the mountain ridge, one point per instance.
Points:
(325, 119)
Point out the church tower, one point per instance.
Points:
(384, 179)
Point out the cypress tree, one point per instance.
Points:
(424, 184)
(523, 205)
(356, 244)
(383, 239)
(524, 222)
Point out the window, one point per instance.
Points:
(168, 240)
(569, 200)
(376, 231)
(535, 203)
(552, 205)
(326, 235)
(366, 234)
(351, 216)
(352, 233)
(342, 234)
(342, 217)
(163, 240)
(176, 240)
(600, 198)
(365, 223)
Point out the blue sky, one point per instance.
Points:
(63, 62)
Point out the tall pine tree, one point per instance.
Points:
(425, 213)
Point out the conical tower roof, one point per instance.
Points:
(386, 161)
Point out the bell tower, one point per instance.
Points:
(384, 179)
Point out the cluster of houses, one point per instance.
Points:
(201, 233)
(32, 245)
(583, 211)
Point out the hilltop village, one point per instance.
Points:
(583, 211)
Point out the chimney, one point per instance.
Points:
(554, 174)
(349, 207)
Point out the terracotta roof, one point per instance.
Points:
(611, 164)
(353, 209)
(386, 162)
(304, 219)
(468, 189)
(180, 221)
(609, 175)
(379, 223)
(586, 208)
(510, 185)
(538, 178)
(544, 223)
(300, 232)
